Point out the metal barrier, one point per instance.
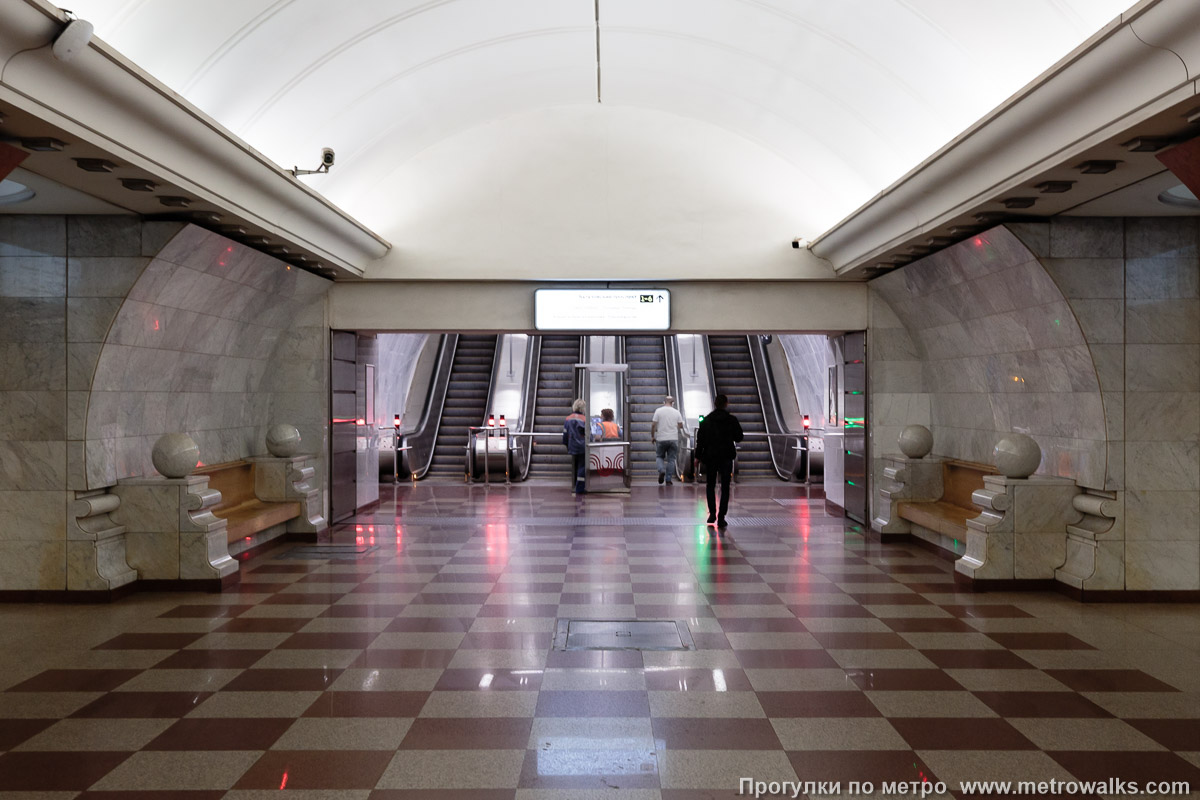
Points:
(501, 447)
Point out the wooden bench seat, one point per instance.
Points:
(948, 516)
(242, 511)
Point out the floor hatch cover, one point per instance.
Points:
(622, 634)
(337, 551)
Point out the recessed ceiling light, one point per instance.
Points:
(95, 165)
(1097, 167)
(1054, 187)
(175, 202)
(1179, 196)
(1145, 144)
(12, 192)
(43, 144)
(139, 184)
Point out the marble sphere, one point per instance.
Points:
(915, 441)
(175, 455)
(1017, 456)
(283, 440)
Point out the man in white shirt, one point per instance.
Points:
(666, 428)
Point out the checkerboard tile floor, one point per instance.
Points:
(424, 668)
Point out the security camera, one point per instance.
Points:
(795, 244)
(327, 158)
(800, 242)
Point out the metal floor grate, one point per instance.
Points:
(622, 634)
(334, 551)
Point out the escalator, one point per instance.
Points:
(733, 373)
(465, 405)
(647, 385)
(555, 393)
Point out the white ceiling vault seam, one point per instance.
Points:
(846, 97)
(232, 42)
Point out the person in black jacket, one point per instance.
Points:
(715, 440)
(575, 438)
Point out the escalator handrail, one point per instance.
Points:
(768, 398)
(533, 366)
(674, 376)
(420, 442)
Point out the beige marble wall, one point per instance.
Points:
(1099, 319)
(213, 339)
(1000, 351)
(1134, 285)
(114, 330)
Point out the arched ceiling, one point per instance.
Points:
(847, 95)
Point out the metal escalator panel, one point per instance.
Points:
(555, 393)
(734, 376)
(647, 385)
(465, 405)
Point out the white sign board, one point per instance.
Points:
(602, 309)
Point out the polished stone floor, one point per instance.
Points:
(424, 666)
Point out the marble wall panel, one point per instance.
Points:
(1082, 237)
(1163, 465)
(1162, 565)
(33, 276)
(32, 235)
(1162, 321)
(1088, 278)
(33, 415)
(33, 466)
(1162, 416)
(105, 236)
(1162, 368)
(33, 319)
(89, 318)
(32, 366)
(1161, 515)
(32, 516)
(1102, 320)
(26, 565)
(103, 276)
(1159, 236)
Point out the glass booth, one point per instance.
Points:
(603, 389)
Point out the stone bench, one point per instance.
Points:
(1006, 529)
(931, 499)
(245, 514)
(180, 532)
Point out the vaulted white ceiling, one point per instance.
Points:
(844, 95)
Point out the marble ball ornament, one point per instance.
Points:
(175, 455)
(1017, 456)
(283, 440)
(916, 441)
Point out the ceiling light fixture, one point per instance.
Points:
(12, 192)
(1054, 187)
(1019, 202)
(172, 201)
(1097, 167)
(139, 184)
(1145, 144)
(1178, 196)
(95, 165)
(43, 144)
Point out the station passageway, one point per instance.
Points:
(419, 658)
(288, 504)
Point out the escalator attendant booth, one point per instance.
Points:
(603, 386)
